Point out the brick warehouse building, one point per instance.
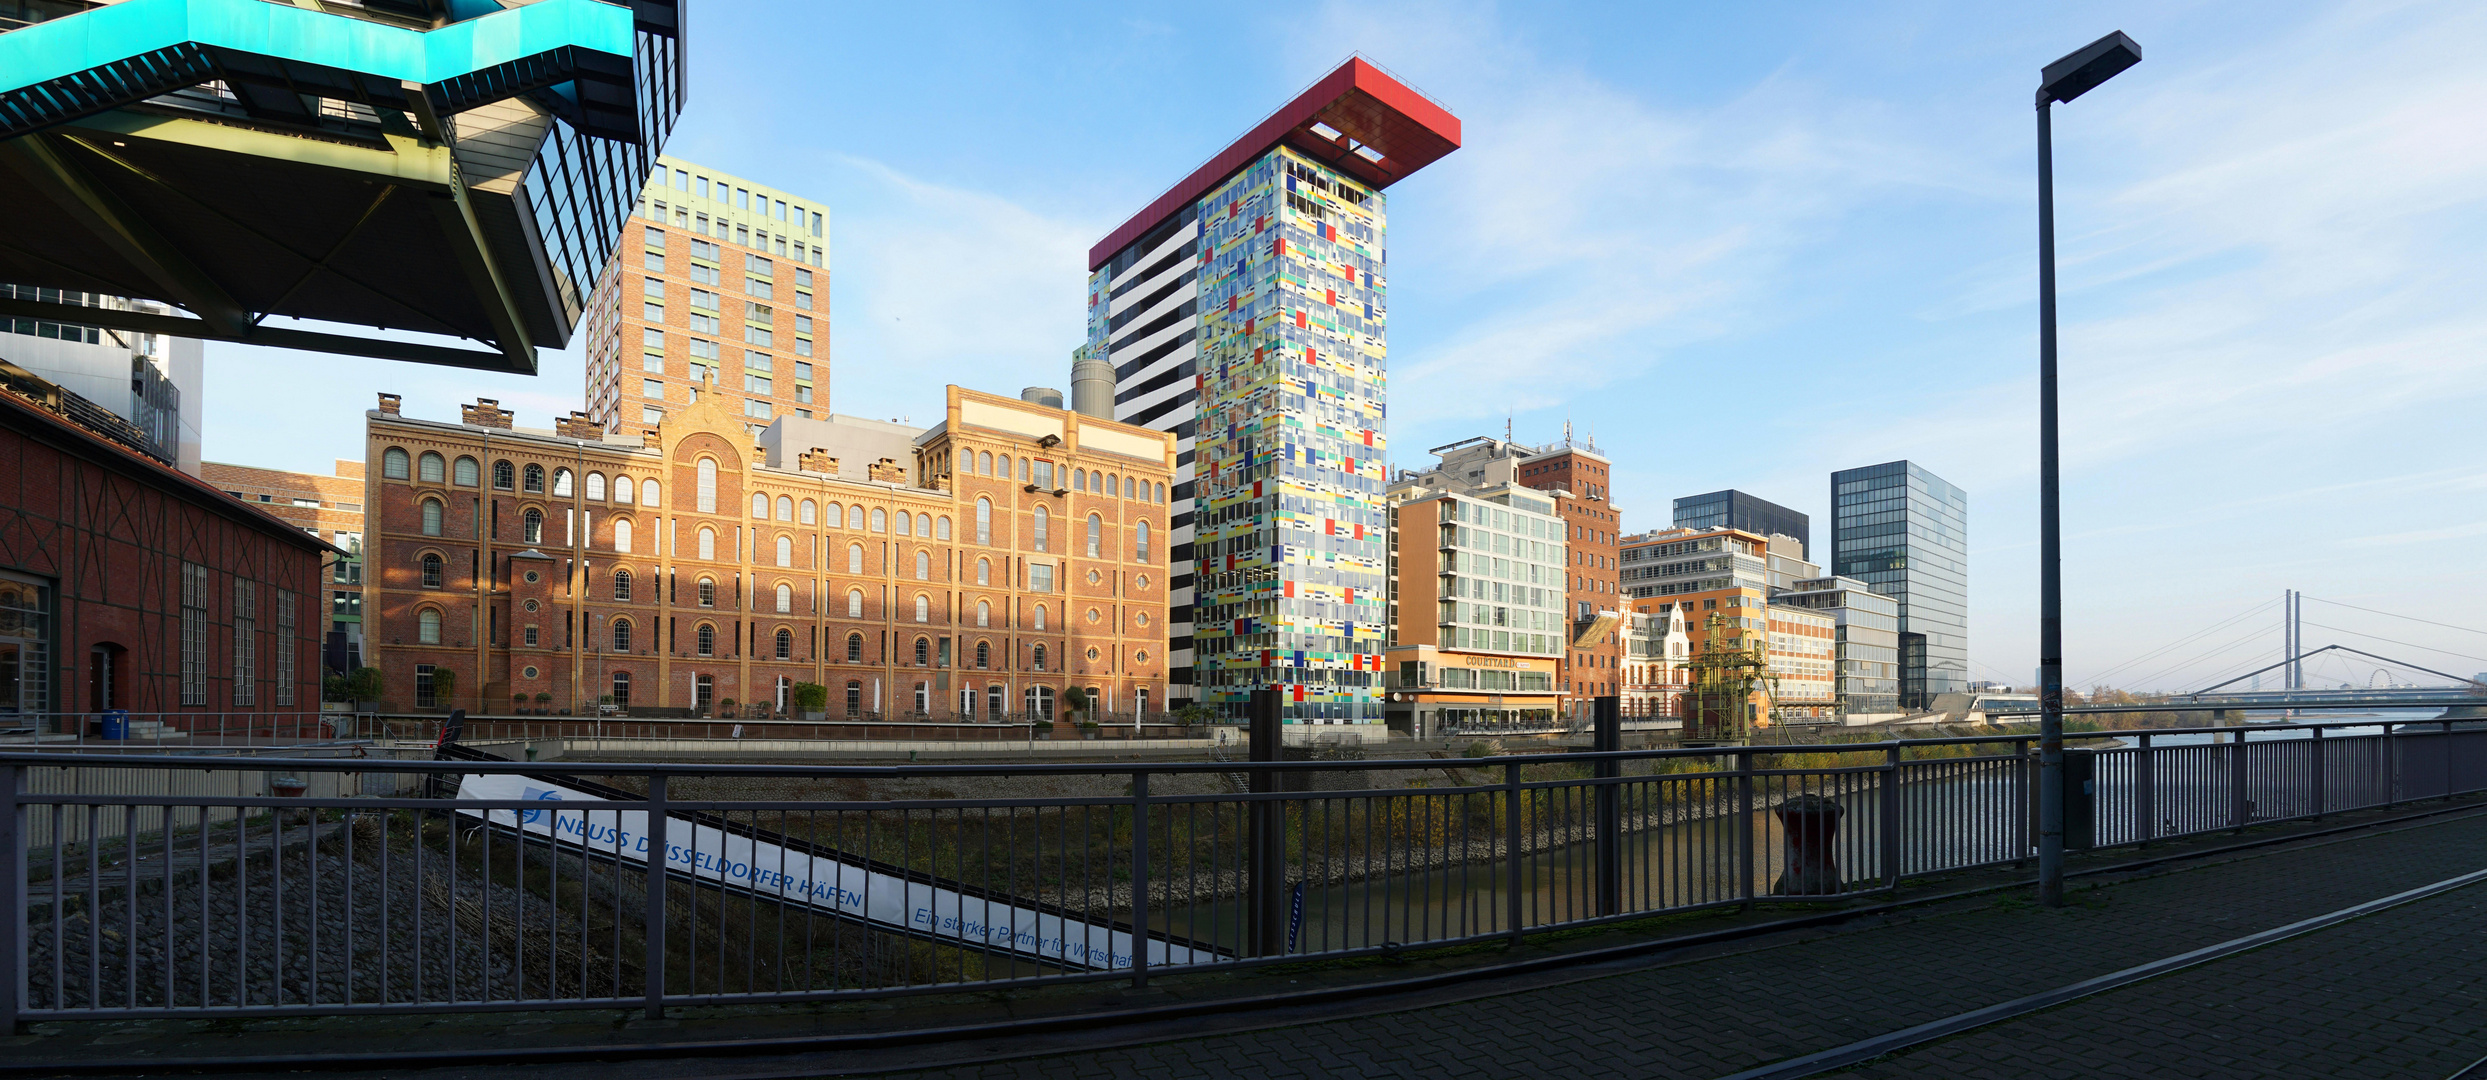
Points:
(977, 567)
(127, 584)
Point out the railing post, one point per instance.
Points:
(2023, 824)
(1890, 815)
(2317, 745)
(1607, 715)
(2390, 762)
(2237, 809)
(1265, 838)
(2145, 792)
(1139, 880)
(2446, 757)
(653, 927)
(1744, 823)
(13, 897)
(1511, 840)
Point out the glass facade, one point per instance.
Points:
(1503, 568)
(1905, 533)
(1290, 459)
(1868, 638)
(1732, 509)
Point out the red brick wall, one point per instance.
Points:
(111, 531)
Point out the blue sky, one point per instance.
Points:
(1744, 245)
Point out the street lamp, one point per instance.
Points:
(2063, 80)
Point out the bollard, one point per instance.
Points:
(1810, 825)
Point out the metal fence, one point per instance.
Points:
(146, 885)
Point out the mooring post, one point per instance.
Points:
(1266, 839)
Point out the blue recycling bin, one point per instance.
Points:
(116, 723)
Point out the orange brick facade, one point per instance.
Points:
(720, 576)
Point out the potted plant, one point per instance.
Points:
(543, 703)
(363, 688)
(725, 708)
(811, 699)
(518, 704)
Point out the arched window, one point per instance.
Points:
(561, 483)
(431, 571)
(941, 527)
(393, 463)
(785, 508)
(649, 492)
(984, 613)
(466, 472)
(854, 558)
(427, 627)
(532, 524)
(984, 521)
(923, 652)
(984, 571)
(621, 584)
(984, 463)
(785, 551)
(1140, 542)
(1001, 466)
(854, 603)
(906, 524)
(621, 535)
(1129, 485)
(923, 566)
(923, 524)
(431, 517)
(535, 479)
(1040, 616)
(1023, 468)
(430, 467)
(707, 638)
(880, 520)
(707, 543)
(504, 476)
(595, 486)
(1038, 530)
(759, 506)
(984, 654)
(854, 649)
(923, 608)
(1096, 536)
(1039, 655)
(623, 489)
(621, 635)
(785, 598)
(707, 485)
(854, 517)
(809, 513)
(785, 642)
(707, 592)
(1161, 494)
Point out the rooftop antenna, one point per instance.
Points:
(1506, 425)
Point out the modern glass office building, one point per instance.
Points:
(1905, 532)
(1732, 509)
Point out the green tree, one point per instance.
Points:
(809, 695)
(365, 684)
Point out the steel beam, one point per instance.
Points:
(272, 336)
(120, 227)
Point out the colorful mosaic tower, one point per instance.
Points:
(1244, 311)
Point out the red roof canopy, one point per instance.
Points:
(1365, 106)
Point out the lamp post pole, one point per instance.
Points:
(2063, 80)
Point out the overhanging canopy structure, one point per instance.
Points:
(444, 167)
(1357, 120)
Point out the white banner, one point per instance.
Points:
(739, 862)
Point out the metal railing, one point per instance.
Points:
(188, 728)
(164, 885)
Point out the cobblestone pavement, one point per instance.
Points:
(2396, 994)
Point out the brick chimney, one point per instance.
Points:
(817, 460)
(486, 412)
(578, 426)
(389, 404)
(889, 469)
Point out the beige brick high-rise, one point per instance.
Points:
(719, 289)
